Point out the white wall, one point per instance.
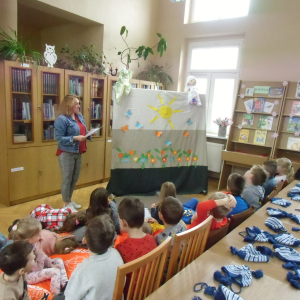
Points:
(271, 33)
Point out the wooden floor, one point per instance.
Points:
(80, 196)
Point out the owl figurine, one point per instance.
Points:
(50, 55)
(190, 87)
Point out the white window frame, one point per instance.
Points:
(211, 75)
(189, 16)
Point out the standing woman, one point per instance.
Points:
(70, 134)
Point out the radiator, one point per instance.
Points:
(214, 160)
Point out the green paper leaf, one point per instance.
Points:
(159, 158)
(184, 152)
(157, 150)
(119, 150)
(166, 156)
(180, 155)
(123, 28)
(171, 150)
(148, 151)
(138, 160)
(165, 149)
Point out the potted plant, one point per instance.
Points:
(157, 74)
(13, 49)
(223, 123)
(85, 58)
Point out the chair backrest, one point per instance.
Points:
(274, 193)
(237, 219)
(187, 246)
(216, 235)
(285, 183)
(147, 272)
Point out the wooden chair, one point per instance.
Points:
(147, 272)
(285, 183)
(216, 235)
(274, 193)
(237, 219)
(188, 246)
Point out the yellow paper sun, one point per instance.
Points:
(165, 111)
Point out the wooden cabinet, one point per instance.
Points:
(107, 160)
(30, 97)
(48, 170)
(23, 173)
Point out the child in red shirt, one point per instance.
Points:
(131, 214)
(219, 209)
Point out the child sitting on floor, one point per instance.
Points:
(95, 277)
(4, 241)
(285, 170)
(167, 189)
(29, 229)
(271, 168)
(170, 212)
(235, 186)
(131, 214)
(16, 260)
(218, 205)
(253, 193)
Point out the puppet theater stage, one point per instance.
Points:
(158, 137)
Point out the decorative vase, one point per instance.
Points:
(222, 131)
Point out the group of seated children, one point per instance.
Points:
(95, 277)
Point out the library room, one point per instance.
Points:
(150, 149)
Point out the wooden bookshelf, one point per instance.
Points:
(281, 146)
(247, 154)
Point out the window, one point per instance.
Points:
(216, 65)
(209, 10)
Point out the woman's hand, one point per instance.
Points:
(151, 220)
(79, 138)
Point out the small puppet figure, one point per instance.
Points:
(190, 87)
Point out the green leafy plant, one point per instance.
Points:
(157, 74)
(85, 58)
(141, 51)
(13, 49)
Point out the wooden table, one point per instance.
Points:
(273, 285)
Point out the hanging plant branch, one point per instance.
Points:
(141, 51)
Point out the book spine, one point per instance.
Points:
(13, 72)
(24, 90)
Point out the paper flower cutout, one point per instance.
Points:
(297, 133)
(139, 125)
(129, 113)
(274, 135)
(291, 115)
(243, 86)
(124, 128)
(230, 122)
(168, 143)
(240, 127)
(276, 102)
(274, 113)
(158, 133)
(189, 121)
(242, 96)
(285, 83)
(186, 134)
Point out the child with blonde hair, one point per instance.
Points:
(167, 189)
(285, 170)
(29, 229)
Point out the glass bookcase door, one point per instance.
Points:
(97, 105)
(22, 105)
(76, 86)
(51, 100)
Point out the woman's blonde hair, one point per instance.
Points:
(25, 229)
(66, 106)
(167, 189)
(287, 166)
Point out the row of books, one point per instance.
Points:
(49, 133)
(49, 110)
(259, 105)
(50, 83)
(76, 86)
(21, 110)
(260, 137)
(21, 80)
(264, 122)
(97, 88)
(96, 110)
